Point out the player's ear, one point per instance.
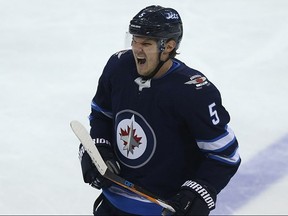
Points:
(170, 46)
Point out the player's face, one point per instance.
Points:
(146, 54)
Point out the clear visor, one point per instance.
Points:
(128, 40)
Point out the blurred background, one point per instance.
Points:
(52, 53)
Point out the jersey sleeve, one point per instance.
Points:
(207, 120)
(101, 118)
(101, 113)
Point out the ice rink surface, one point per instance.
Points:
(52, 53)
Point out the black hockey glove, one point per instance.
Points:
(93, 177)
(194, 198)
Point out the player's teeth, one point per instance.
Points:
(141, 60)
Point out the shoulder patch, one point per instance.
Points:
(118, 54)
(198, 81)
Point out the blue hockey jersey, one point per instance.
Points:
(163, 131)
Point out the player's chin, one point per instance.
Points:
(142, 71)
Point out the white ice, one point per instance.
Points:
(53, 51)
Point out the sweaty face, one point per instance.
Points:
(145, 51)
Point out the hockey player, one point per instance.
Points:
(160, 124)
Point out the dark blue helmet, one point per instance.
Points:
(157, 22)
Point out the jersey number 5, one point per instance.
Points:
(213, 114)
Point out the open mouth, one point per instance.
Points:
(141, 60)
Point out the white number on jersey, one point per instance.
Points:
(213, 114)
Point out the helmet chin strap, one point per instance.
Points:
(155, 71)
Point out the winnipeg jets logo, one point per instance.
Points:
(135, 139)
(130, 138)
(172, 15)
(198, 81)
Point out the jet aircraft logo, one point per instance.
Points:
(130, 138)
(135, 139)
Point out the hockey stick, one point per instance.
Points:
(89, 145)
